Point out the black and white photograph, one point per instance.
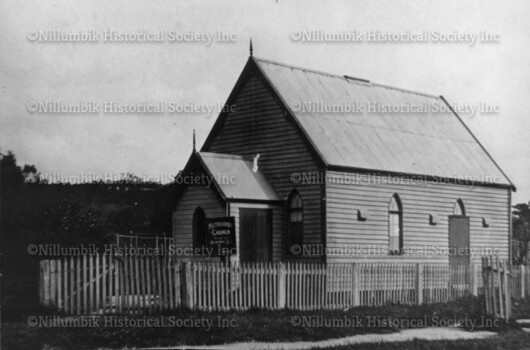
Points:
(274, 174)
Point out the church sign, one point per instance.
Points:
(221, 235)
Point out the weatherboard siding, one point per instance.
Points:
(192, 197)
(259, 125)
(419, 199)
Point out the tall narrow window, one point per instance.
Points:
(459, 208)
(395, 225)
(296, 221)
(199, 228)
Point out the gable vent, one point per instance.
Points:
(347, 77)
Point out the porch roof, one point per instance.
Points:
(234, 177)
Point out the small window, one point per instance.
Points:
(296, 221)
(199, 228)
(459, 208)
(395, 225)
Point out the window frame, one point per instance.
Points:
(199, 233)
(459, 203)
(398, 213)
(295, 234)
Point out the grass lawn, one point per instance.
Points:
(507, 340)
(184, 327)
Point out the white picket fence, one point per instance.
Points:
(520, 281)
(109, 284)
(133, 284)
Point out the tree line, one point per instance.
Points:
(34, 211)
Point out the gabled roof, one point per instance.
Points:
(430, 144)
(235, 179)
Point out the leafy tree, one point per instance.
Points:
(34, 211)
(11, 179)
(10, 173)
(32, 176)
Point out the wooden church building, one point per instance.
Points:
(310, 166)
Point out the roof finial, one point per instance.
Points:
(193, 140)
(251, 50)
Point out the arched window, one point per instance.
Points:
(459, 208)
(296, 221)
(199, 228)
(395, 225)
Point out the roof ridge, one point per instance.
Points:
(299, 68)
(407, 90)
(349, 79)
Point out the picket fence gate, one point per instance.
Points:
(498, 285)
(102, 284)
(109, 284)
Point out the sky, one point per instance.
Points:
(202, 47)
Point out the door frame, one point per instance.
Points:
(269, 218)
(468, 241)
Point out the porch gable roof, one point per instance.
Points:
(235, 178)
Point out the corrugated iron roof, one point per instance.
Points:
(424, 143)
(235, 177)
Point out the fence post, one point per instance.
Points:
(494, 273)
(186, 285)
(507, 294)
(522, 275)
(54, 282)
(355, 285)
(41, 282)
(485, 285)
(474, 280)
(46, 282)
(419, 283)
(281, 286)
